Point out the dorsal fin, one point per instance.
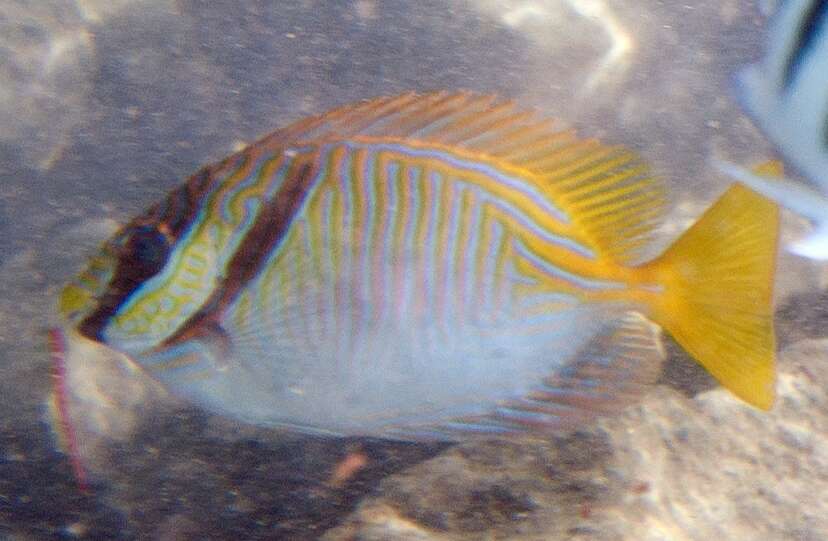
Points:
(606, 190)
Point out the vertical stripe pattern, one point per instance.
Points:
(416, 243)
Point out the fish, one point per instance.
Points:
(786, 94)
(429, 266)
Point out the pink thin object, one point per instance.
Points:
(57, 351)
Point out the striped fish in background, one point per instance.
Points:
(429, 266)
(786, 92)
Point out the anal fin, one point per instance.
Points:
(612, 371)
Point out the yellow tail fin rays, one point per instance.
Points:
(718, 300)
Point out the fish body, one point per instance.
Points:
(427, 266)
(786, 93)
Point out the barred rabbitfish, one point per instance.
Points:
(429, 266)
(786, 92)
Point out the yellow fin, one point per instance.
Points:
(718, 298)
(612, 198)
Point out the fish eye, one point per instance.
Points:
(146, 250)
(142, 253)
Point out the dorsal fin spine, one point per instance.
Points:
(527, 138)
(453, 131)
(425, 115)
(564, 158)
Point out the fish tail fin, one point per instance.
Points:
(717, 300)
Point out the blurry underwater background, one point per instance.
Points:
(106, 105)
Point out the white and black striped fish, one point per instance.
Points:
(786, 92)
(428, 266)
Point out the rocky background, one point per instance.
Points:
(104, 106)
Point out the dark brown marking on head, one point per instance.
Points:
(143, 254)
(270, 227)
(143, 246)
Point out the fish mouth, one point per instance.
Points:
(66, 431)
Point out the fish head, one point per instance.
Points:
(147, 280)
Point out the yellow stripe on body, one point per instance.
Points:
(424, 218)
(374, 251)
(358, 224)
(439, 257)
(336, 225)
(285, 286)
(256, 190)
(315, 235)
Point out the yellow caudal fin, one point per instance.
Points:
(718, 292)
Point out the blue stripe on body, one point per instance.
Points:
(411, 190)
(432, 259)
(529, 191)
(552, 270)
(450, 278)
(231, 197)
(471, 280)
(536, 230)
(537, 197)
(277, 180)
(390, 182)
(540, 299)
(365, 254)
